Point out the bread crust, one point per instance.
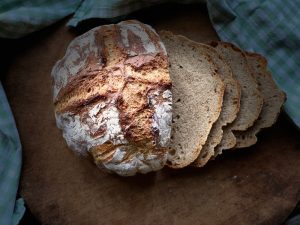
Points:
(112, 97)
(229, 111)
(251, 98)
(273, 97)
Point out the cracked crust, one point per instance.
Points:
(112, 97)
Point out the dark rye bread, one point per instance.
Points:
(112, 96)
(197, 98)
(273, 97)
(230, 106)
(251, 99)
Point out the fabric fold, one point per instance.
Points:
(11, 211)
(270, 28)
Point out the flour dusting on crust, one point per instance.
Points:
(74, 60)
(138, 31)
(113, 99)
(81, 136)
(138, 163)
(163, 117)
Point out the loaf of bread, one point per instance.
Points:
(112, 97)
(137, 101)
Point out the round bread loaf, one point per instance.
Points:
(112, 97)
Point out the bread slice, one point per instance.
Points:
(230, 107)
(197, 98)
(273, 101)
(251, 99)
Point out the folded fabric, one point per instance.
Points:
(270, 28)
(108, 9)
(11, 211)
(19, 18)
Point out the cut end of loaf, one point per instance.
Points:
(197, 98)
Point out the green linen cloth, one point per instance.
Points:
(271, 28)
(11, 211)
(22, 17)
(108, 9)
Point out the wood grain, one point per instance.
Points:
(258, 185)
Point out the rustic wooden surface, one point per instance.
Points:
(258, 185)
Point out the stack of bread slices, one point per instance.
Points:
(236, 96)
(137, 100)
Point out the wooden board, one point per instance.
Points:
(258, 185)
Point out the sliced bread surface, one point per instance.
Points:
(273, 100)
(230, 107)
(197, 98)
(251, 99)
